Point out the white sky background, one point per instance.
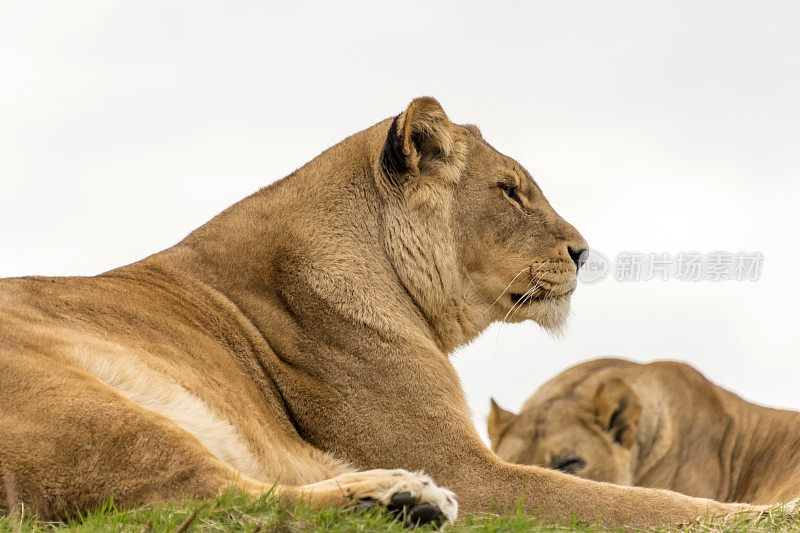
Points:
(651, 126)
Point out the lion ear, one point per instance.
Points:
(497, 422)
(473, 129)
(617, 410)
(418, 139)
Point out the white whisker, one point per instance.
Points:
(508, 286)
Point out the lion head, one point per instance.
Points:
(471, 236)
(581, 422)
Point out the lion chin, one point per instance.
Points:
(549, 313)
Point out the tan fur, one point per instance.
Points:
(303, 335)
(671, 429)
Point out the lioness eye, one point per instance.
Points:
(510, 191)
(570, 464)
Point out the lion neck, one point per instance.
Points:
(418, 241)
(765, 460)
(328, 233)
(678, 434)
(708, 442)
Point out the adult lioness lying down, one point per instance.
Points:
(302, 337)
(656, 425)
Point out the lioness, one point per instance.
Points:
(654, 425)
(301, 337)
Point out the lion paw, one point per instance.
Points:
(413, 496)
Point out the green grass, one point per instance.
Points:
(236, 512)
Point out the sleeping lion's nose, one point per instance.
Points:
(577, 256)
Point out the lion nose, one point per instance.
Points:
(577, 256)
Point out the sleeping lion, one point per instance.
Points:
(300, 340)
(657, 425)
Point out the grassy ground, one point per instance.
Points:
(234, 512)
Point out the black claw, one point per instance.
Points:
(425, 513)
(404, 506)
(438, 521)
(366, 503)
(401, 500)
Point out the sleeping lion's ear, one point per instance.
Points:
(617, 410)
(420, 139)
(498, 421)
